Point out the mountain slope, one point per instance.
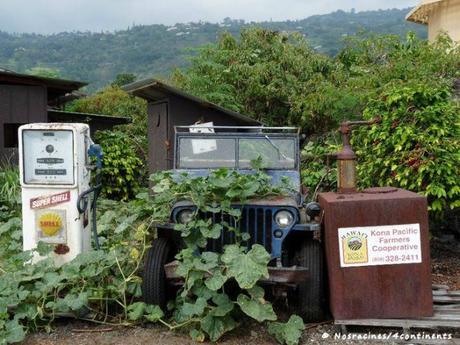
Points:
(156, 49)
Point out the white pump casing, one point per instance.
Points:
(54, 171)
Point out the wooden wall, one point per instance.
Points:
(19, 104)
(176, 111)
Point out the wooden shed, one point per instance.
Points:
(169, 107)
(440, 16)
(28, 99)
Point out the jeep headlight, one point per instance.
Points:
(184, 216)
(284, 218)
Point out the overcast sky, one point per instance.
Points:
(51, 16)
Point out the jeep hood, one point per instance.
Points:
(293, 176)
(270, 201)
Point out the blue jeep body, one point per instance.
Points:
(288, 228)
(227, 147)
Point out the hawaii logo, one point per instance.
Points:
(354, 244)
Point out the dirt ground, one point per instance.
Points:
(445, 270)
(85, 334)
(445, 264)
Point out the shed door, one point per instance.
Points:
(159, 143)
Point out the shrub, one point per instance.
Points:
(122, 169)
(114, 101)
(319, 172)
(416, 146)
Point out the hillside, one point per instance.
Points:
(156, 49)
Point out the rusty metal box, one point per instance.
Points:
(377, 249)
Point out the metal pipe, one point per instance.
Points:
(346, 158)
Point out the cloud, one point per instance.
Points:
(51, 16)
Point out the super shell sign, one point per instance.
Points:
(51, 226)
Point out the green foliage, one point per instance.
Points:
(123, 79)
(246, 268)
(98, 285)
(10, 221)
(418, 75)
(288, 333)
(122, 169)
(125, 148)
(319, 172)
(370, 62)
(104, 286)
(114, 101)
(203, 302)
(417, 144)
(43, 72)
(273, 76)
(156, 49)
(9, 186)
(277, 78)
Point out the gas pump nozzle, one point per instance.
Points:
(94, 151)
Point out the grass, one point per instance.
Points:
(9, 185)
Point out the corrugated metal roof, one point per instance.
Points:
(155, 90)
(71, 85)
(56, 87)
(420, 14)
(118, 120)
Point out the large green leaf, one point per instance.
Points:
(136, 310)
(289, 332)
(246, 268)
(216, 326)
(197, 335)
(13, 333)
(258, 309)
(216, 280)
(223, 305)
(153, 313)
(192, 309)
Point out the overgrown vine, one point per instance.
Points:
(105, 286)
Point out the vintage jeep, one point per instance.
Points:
(287, 227)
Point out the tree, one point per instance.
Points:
(268, 75)
(123, 79)
(370, 62)
(114, 101)
(43, 72)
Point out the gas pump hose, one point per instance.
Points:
(82, 206)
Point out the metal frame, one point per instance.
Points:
(237, 136)
(260, 128)
(21, 148)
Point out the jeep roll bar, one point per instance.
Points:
(255, 129)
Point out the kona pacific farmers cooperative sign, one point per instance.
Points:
(380, 245)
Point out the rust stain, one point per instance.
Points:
(383, 291)
(61, 249)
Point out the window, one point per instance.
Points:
(275, 153)
(206, 153)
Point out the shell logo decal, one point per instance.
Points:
(50, 223)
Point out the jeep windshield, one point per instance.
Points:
(236, 151)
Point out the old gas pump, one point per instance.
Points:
(377, 246)
(55, 172)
